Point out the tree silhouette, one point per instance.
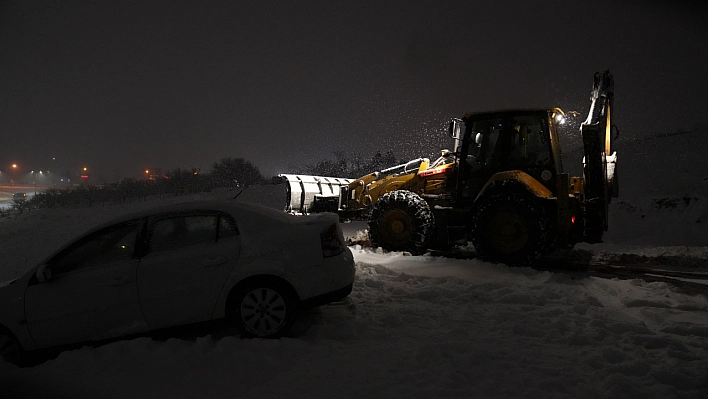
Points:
(342, 166)
(234, 172)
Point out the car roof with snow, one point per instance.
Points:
(234, 207)
(248, 215)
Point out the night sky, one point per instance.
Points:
(121, 86)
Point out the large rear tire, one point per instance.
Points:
(401, 221)
(511, 228)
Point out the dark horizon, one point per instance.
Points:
(120, 88)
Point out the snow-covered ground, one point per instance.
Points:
(425, 326)
(422, 326)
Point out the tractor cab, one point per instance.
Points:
(523, 141)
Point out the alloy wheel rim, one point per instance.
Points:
(263, 311)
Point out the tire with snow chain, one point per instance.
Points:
(511, 228)
(263, 308)
(401, 221)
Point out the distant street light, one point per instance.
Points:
(14, 175)
(34, 180)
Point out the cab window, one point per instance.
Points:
(537, 141)
(511, 142)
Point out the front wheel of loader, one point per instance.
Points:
(511, 228)
(401, 221)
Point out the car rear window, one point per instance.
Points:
(181, 231)
(227, 227)
(177, 231)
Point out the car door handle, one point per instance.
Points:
(119, 281)
(219, 260)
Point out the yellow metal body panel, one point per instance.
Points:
(533, 185)
(576, 185)
(368, 189)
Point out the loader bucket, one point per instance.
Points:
(307, 194)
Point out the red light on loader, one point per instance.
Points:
(436, 171)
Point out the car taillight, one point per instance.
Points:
(332, 241)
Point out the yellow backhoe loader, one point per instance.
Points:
(502, 187)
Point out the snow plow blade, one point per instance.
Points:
(310, 194)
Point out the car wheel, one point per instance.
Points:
(263, 309)
(10, 349)
(401, 221)
(511, 229)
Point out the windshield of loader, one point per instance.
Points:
(511, 142)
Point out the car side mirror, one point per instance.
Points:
(44, 274)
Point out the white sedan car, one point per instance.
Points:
(177, 265)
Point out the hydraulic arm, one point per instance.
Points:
(599, 161)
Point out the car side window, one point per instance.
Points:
(111, 244)
(175, 232)
(227, 227)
